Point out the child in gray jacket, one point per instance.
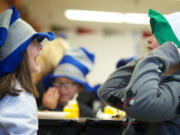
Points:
(148, 89)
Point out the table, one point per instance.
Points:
(82, 126)
(104, 127)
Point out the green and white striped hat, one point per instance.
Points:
(165, 28)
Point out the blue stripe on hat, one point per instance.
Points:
(90, 55)
(3, 35)
(15, 15)
(43, 36)
(10, 63)
(3, 30)
(71, 60)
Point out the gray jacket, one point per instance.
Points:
(145, 94)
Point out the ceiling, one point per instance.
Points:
(51, 13)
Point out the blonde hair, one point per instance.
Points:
(50, 56)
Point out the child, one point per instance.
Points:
(20, 45)
(148, 89)
(68, 79)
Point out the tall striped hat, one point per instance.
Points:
(15, 36)
(75, 65)
(165, 28)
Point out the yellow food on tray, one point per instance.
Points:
(73, 109)
(111, 113)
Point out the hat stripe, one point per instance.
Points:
(161, 28)
(3, 35)
(4, 25)
(90, 55)
(41, 36)
(15, 15)
(5, 18)
(71, 60)
(16, 36)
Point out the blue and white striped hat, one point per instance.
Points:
(15, 36)
(75, 65)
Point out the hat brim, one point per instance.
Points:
(48, 80)
(10, 63)
(161, 28)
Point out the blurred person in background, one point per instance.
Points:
(69, 79)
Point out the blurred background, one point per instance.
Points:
(109, 39)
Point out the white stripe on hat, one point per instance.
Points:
(70, 71)
(18, 33)
(5, 18)
(174, 21)
(80, 56)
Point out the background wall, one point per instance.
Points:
(108, 50)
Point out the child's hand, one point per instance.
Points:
(50, 98)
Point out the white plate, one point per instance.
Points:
(51, 115)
